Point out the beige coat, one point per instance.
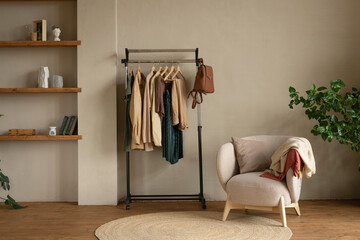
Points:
(136, 111)
(146, 116)
(178, 104)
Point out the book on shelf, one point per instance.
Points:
(69, 126)
(63, 125)
(74, 124)
(66, 126)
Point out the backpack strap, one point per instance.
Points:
(195, 101)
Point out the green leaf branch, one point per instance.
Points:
(337, 114)
(5, 185)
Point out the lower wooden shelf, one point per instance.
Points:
(40, 138)
(40, 90)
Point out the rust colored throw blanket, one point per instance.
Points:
(293, 161)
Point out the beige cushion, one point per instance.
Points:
(250, 155)
(251, 189)
(226, 165)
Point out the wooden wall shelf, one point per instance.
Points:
(40, 90)
(40, 138)
(36, 0)
(39, 43)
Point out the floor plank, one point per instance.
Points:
(319, 219)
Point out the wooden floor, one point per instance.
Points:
(319, 219)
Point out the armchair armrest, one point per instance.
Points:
(294, 185)
(226, 164)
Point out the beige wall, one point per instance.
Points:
(257, 48)
(97, 103)
(38, 171)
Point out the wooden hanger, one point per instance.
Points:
(171, 70)
(131, 68)
(153, 68)
(165, 70)
(178, 70)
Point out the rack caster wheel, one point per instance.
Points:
(203, 203)
(127, 207)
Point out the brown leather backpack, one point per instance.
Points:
(204, 83)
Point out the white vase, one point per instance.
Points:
(57, 81)
(43, 77)
(56, 33)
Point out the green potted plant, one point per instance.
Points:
(337, 113)
(5, 185)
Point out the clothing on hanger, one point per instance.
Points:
(136, 110)
(171, 135)
(146, 118)
(128, 126)
(157, 112)
(155, 117)
(159, 96)
(178, 101)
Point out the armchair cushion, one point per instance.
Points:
(251, 189)
(250, 155)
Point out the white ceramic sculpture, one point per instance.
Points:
(52, 131)
(43, 78)
(57, 81)
(56, 33)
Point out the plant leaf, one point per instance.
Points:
(12, 203)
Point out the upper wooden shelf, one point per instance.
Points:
(40, 138)
(39, 43)
(35, 0)
(40, 90)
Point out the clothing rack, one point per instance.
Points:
(179, 197)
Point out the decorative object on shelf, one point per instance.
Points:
(43, 78)
(40, 29)
(28, 30)
(21, 132)
(56, 32)
(33, 36)
(338, 115)
(57, 81)
(52, 131)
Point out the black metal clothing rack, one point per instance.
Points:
(179, 197)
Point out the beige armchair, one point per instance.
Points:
(249, 190)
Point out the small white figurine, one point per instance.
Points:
(52, 131)
(43, 78)
(56, 31)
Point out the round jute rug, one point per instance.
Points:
(192, 225)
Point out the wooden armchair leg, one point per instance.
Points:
(227, 208)
(297, 208)
(282, 211)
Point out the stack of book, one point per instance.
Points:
(69, 126)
